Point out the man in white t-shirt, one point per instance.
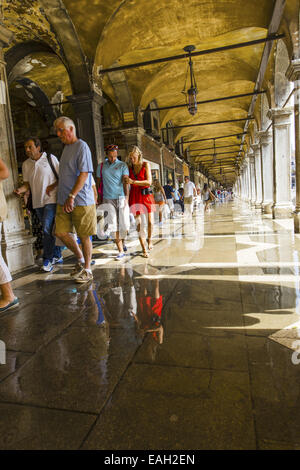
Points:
(189, 193)
(40, 175)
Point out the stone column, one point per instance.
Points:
(282, 206)
(252, 179)
(293, 74)
(245, 183)
(258, 178)
(16, 244)
(87, 109)
(241, 185)
(248, 180)
(266, 145)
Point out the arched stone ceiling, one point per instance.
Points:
(96, 13)
(128, 31)
(143, 30)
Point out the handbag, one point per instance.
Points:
(146, 191)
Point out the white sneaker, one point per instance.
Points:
(47, 266)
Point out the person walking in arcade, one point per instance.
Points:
(141, 200)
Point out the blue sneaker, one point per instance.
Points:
(120, 256)
(56, 260)
(47, 266)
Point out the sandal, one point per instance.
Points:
(145, 254)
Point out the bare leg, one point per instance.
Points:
(138, 228)
(160, 214)
(7, 294)
(87, 248)
(156, 289)
(70, 243)
(119, 242)
(150, 230)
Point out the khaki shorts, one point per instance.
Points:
(83, 219)
(188, 200)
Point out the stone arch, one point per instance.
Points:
(17, 53)
(71, 50)
(151, 120)
(123, 96)
(37, 97)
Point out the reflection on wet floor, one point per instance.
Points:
(208, 327)
(124, 302)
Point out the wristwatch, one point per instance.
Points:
(72, 196)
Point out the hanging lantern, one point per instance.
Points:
(191, 93)
(192, 101)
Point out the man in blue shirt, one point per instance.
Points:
(169, 192)
(113, 176)
(75, 198)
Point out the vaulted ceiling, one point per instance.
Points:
(85, 35)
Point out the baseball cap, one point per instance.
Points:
(111, 147)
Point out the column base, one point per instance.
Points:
(17, 251)
(258, 205)
(266, 207)
(282, 212)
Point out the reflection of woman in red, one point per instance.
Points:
(149, 310)
(141, 199)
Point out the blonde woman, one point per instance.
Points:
(141, 200)
(159, 197)
(8, 299)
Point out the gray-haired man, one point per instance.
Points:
(75, 198)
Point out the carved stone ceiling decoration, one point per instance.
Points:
(25, 18)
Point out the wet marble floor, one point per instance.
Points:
(193, 348)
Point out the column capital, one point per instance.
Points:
(280, 116)
(133, 135)
(132, 131)
(6, 36)
(293, 70)
(85, 98)
(256, 148)
(265, 137)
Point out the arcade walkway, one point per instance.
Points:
(215, 372)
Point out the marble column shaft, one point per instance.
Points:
(266, 145)
(16, 243)
(252, 179)
(258, 176)
(293, 74)
(282, 207)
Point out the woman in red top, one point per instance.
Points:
(141, 200)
